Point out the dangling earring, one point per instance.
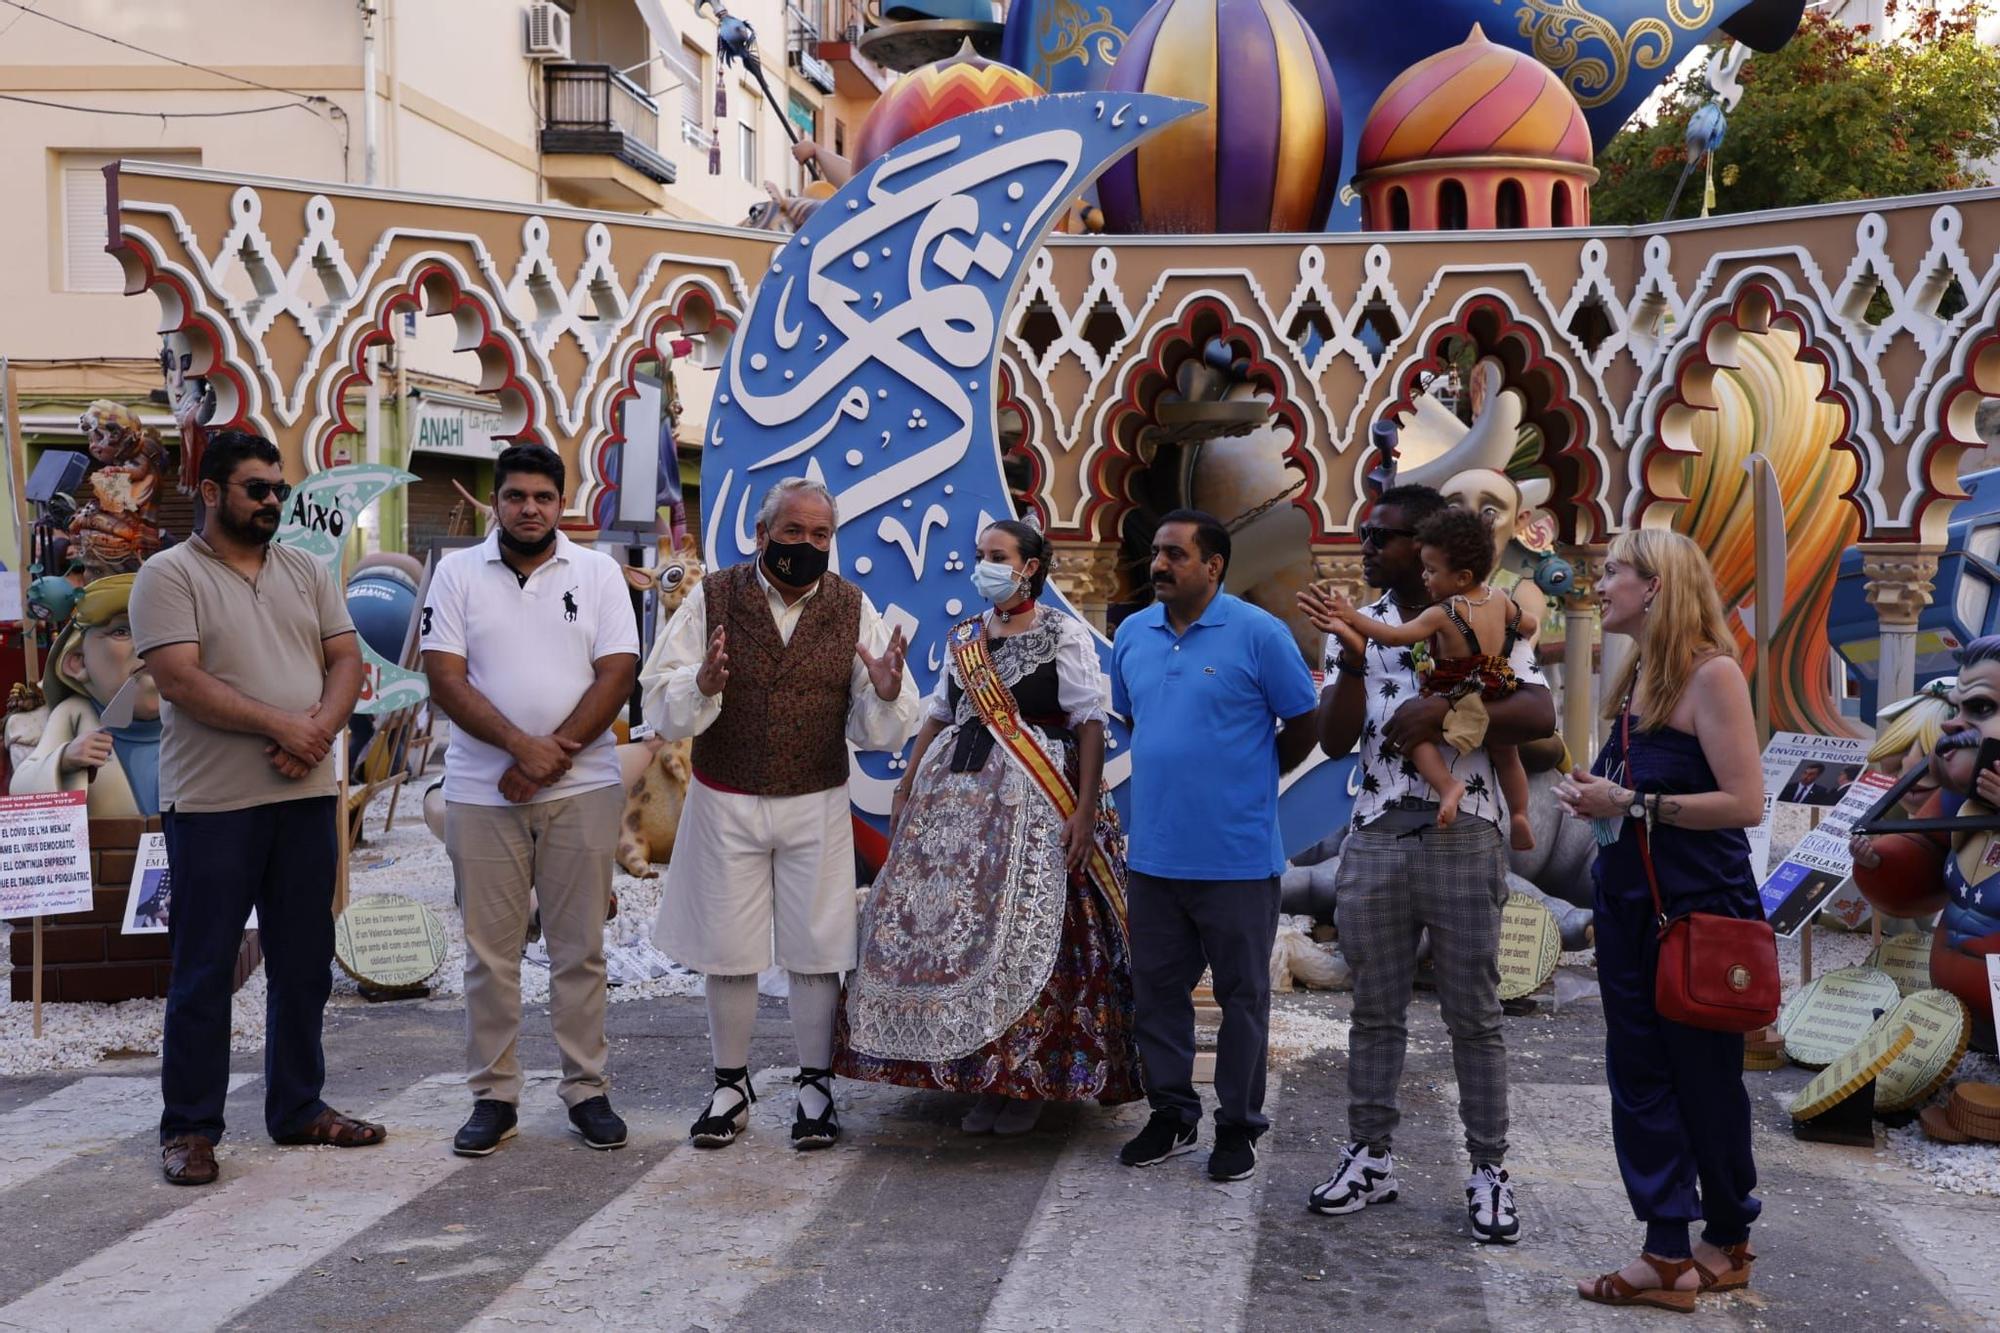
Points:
(1647, 609)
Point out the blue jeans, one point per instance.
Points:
(278, 859)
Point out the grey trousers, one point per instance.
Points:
(1392, 886)
(562, 850)
(1178, 927)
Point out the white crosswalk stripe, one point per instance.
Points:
(699, 1234)
(78, 1119)
(695, 1239)
(246, 1236)
(1096, 1214)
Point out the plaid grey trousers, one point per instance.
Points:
(1390, 888)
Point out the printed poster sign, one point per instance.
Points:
(149, 899)
(1802, 769)
(1794, 892)
(44, 854)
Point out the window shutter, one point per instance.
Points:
(692, 62)
(86, 267)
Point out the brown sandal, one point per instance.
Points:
(188, 1160)
(1736, 1276)
(1613, 1289)
(332, 1129)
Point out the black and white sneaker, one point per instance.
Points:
(1364, 1176)
(1489, 1202)
(1165, 1135)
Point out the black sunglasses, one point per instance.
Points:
(261, 489)
(1379, 537)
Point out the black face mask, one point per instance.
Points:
(512, 543)
(794, 564)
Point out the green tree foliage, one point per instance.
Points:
(1831, 117)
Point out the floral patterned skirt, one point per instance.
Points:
(1075, 1042)
(985, 966)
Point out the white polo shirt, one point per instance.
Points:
(531, 649)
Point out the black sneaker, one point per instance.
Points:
(598, 1123)
(1165, 1135)
(1235, 1154)
(490, 1124)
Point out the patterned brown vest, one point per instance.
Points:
(783, 728)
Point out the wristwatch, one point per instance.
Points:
(1637, 809)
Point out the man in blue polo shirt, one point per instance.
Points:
(1205, 678)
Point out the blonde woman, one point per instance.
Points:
(1680, 1118)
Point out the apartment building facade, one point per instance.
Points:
(603, 104)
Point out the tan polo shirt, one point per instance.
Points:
(262, 638)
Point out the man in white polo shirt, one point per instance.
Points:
(531, 648)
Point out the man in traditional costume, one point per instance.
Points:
(773, 667)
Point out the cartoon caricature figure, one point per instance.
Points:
(1956, 874)
(90, 662)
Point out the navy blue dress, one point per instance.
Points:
(1680, 1118)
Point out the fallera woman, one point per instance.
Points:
(993, 956)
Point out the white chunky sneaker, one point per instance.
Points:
(1489, 1202)
(1364, 1176)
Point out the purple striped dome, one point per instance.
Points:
(1264, 157)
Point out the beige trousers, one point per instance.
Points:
(562, 850)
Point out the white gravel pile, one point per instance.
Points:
(1297, 1032)
(1964, 1168)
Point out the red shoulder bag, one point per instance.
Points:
(1715, 972)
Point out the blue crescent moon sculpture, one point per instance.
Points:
(868, 358)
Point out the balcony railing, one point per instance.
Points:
(593, 109)
(802, 49)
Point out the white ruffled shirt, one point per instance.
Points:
(1082, 688)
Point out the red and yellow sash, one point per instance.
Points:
(998, 709)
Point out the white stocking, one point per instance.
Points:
(732, 1017)
(815, 1003)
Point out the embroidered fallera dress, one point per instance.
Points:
(985, 966)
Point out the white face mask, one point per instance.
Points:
(997, 583)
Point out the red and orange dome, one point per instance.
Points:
(1474, 100)
(932, 94)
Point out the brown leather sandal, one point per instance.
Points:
(332, 1129)
(188, 1159)
(1613, 1289)
(1733, 1278)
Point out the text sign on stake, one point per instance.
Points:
(44, 854)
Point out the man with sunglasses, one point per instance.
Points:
(258, 667)
(1402, 874)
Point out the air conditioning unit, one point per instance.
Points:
(548, 31)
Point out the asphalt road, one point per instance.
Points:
(908, 1224)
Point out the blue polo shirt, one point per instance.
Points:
(1204, 708)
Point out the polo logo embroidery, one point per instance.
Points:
(1208, 671)
(569, 605)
